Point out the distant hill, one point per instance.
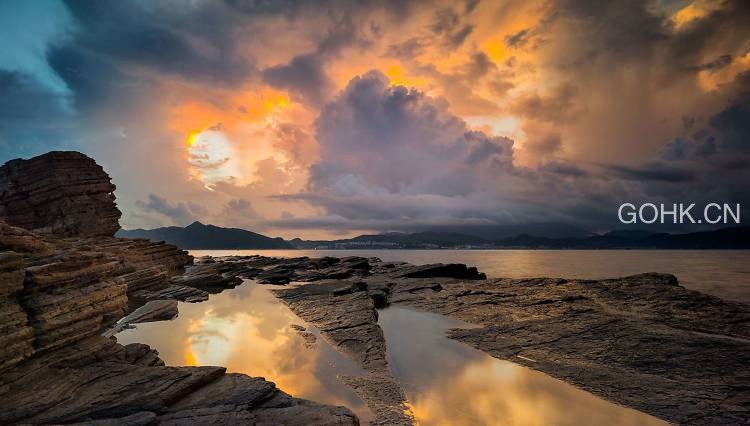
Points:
(200, 236)
(496, 232)
(726, 238)
(417, 240)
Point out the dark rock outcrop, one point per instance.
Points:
(59, 193)
(64, 281)
(440, 270)
(97, 380)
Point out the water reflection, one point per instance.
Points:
(449, 383)
(722, 273)
(248, 331)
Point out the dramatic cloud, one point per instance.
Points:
(397, 140)
(180, 213)
(316, 118)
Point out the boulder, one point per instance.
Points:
(440, 270)
(61, 193)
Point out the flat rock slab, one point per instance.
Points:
(642, 341)
(345, 314)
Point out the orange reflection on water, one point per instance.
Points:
(248, 331)
(449, 383)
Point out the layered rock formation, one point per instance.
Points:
(59, 193)
(64, 280)
(97, 381)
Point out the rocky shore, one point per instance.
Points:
(65, 280)
(66, 288)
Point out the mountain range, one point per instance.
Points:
(200, 236)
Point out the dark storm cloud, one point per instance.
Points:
(304, 77)
(22, 99)
(479, 66)
(241, 208)
(625, 28)
(295, 9)
(555, 106)
(654, 172)
(180, 213)
(717, 64)
(733, 124)
(152, 35)
(723, 31)
(91, 79)
(408, 49)
(563, 169)
(32, 118)
(394, 158)
(113, 43)
(457, 39)
(482, 148)
(448, 25)
(374, 136)
(518, 39)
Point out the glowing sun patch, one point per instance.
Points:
(210, 155)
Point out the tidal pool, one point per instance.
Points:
(248, 331)
(449, 383)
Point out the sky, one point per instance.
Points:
(325, 119)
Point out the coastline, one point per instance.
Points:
(642, 341)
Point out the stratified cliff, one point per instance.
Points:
(59, 193)
(65, 280)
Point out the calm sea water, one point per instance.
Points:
(722, 273)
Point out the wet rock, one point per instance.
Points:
(239, 399)
(59, 193)
(208, 275)
(345, 314)
(99, 380)
(348, 318)
(379, 298)
(176, 292)
(641, 341)
(356, 262)
(439, 270)
(154, 310)
(279, 276)
(384, 396)
(307, 336)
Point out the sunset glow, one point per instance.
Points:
(290, 111)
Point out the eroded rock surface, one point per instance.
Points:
(59, 193)
(98, 380)
(64, 280)
(350, 322)
(642, 341)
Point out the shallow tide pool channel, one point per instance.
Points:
(247, 330)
